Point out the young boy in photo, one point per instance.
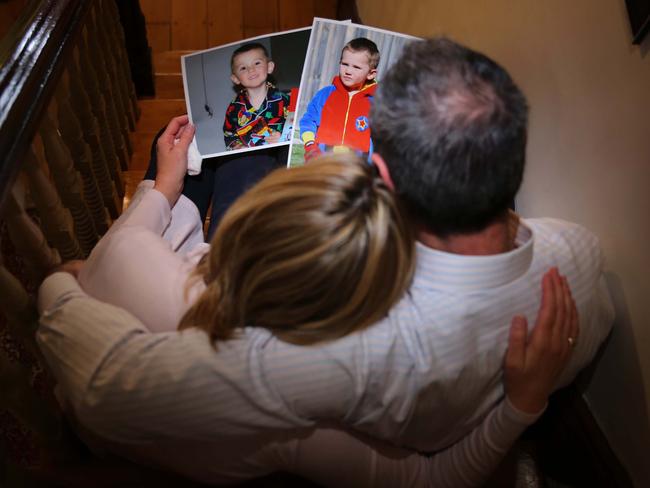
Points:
(257, 114)
(337, 117)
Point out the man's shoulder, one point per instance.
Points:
(574, 249)
(557, 235)
(551, 225)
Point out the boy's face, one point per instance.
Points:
(354, 69)
(250, 69)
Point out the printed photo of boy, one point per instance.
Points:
(341, 74)
(257, 114)
(239, 95)
(337, 116)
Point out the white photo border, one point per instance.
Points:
(332, 53)
(189, 95)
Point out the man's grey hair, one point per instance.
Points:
(451, 125)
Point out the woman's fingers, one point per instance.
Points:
(185, 136)
(560, 329)
(547, 308)
(571, 323)
(546, 317)
(533, 367)
(516, 352)
(563, 335)
(575, 323)
(528, 376)
(172, 157)
(171, 131)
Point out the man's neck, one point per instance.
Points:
(496, 238)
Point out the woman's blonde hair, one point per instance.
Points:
(311, 253)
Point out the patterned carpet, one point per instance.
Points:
(18, 443)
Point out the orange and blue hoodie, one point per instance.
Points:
(335, 117)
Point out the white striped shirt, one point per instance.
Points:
(423, 377)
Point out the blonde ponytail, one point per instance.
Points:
(311, 253)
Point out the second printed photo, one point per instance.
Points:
(342, 70)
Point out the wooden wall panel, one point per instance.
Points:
(295, 13)
(325, 9)
(189, 24)
(157, 11)
(200, 24)
(260, 17)
(159, 37)
(225, 22)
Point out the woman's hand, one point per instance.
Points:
(533, 364)
(172, 150)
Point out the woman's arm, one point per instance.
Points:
(333, 457)
(336, 458)
(142, 263)
(172, 148)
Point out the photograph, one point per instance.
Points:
(242, 96)
(342, 70)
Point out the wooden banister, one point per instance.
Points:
(31, 64)
(66, 112)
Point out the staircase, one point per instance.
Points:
(156, 113)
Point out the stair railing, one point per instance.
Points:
(67, 107)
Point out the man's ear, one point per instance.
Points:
(383, 170)
(371, 74)
(235, 80)
(270, 67)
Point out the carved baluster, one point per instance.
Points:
(99, 109)
(68, 183)
(58, 156)
(115, 117)
(102, 107)
(119, 97)
(75, 114)
(29, 241)
(116, 32)
(65, 219)
(110, 46)
(102, 22)
(63, 99)
(73, 134)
